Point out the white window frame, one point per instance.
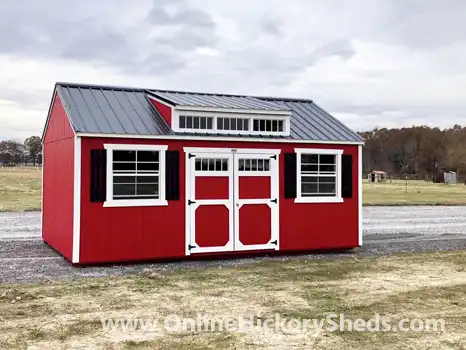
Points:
(284, 116)
(325, 199)
(137, 202)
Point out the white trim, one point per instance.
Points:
(213, 138)
(230, 150)
(137, 202)
(360, 195)
(250, 117)
(264, 112)
(334, 199)
(77, 201)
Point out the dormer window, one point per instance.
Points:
(195, 122)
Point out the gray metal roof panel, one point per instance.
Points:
(115, 110)
(216, 101)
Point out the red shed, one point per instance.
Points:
(135, 174)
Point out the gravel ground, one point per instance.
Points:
(387, 230)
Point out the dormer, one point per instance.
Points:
(221, 114)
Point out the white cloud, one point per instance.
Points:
(384, 63)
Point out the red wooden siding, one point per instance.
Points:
(164, 110)
(255, 224)
(138, 233)
(58, 181)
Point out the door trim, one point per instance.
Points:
(234, 244)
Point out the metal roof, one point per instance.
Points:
(195, 99)
(127, 111)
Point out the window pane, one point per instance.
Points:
(124, 190)
(189, 122)
(327, 168)
(262, 125)
(266, 164)
(124, 167)
(327, 159)
(239, 124)
(280, 125)
(198, 164)
(147, 189)
(224, 164)
(182, 121)
(148, 167)
(260, 165)
(275, 125)
(241, 165)
(256, 125)
(124, 156)
(254, 165)
(226, 123)
(220, 123)
(310, 158)
(218, 165)
(245, 124)
(268, 125)
(327, 188)
(232, 124)
(196, 123)
(309, 179)
(309, 168)
(209, 123)
(211, 164)
(147, 179)
(124, 179)
(308, 188)
(324, 179)
(247, 164)
(203, 123)
(148, 156)
(205, 164)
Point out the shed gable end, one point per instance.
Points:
(58, 125)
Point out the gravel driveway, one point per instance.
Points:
(387, 230)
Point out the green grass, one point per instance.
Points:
(416, 193)
(56, 315)
(20, 189)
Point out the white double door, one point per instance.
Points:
(232, 200)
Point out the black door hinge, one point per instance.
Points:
(190, 155)
(190, 202)
(274, 157)
(274, 242)
(191, 246)
(274, 201)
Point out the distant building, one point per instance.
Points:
(377, 176)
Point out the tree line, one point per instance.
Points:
(16, 153)
(418, 150)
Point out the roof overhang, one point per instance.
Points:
(225, 138)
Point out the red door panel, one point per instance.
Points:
(212, 225)
(209, 187)
(255, 224)
(253, 187)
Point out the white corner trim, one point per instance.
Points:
(77, 201)
(360, 195)
(227, 138)
(335, 199)
(230, 150)
(137, 202)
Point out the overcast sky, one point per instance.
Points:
(370, 63)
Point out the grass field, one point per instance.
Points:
(21, 190)
(59, 315)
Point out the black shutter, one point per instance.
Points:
(290, 175)
(98, 175)
(172, 175)
(347, 176)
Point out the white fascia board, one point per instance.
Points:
(216, 138)
(236, 111)
(230, 150)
